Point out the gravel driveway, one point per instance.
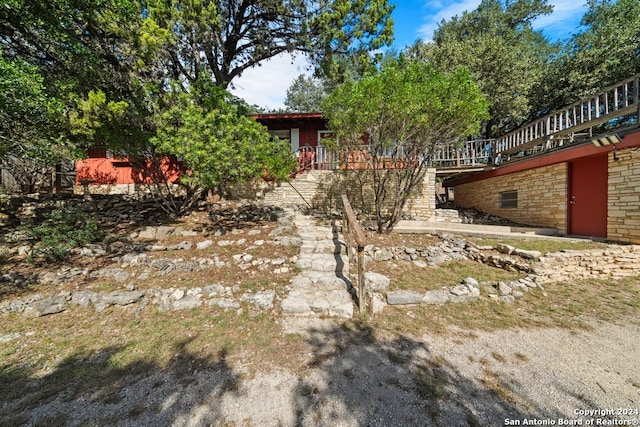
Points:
(352, 378)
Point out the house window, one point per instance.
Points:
(282, 134)
(509, 199)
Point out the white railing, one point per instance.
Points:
(551, 131)
(615, 101)
(468, 153)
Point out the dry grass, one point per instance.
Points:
(80, 350)
(539, 244)
(229, 275)
(406, 275)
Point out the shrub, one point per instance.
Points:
(63, 229)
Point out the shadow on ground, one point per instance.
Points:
(356, 379)
(349, 376)
(93, 389)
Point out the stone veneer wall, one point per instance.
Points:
(542, 196)
(623, 223)
(323, 189)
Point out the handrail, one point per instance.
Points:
(353, 233)
(614, 101)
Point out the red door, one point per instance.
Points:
(588, 182)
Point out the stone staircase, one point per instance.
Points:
(322, 287)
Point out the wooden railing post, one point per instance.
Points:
(353, 234)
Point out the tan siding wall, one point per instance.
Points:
(623, 222)
(542, 196)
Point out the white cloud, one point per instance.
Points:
(564, 20)
(266, 85)
(443, 9)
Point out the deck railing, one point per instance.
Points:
(557, 129)
(615, 101)
(463, 154)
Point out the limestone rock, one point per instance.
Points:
(527, 254)
(505, 249)
(84, 298)
(377, 303)
(403, 297)
(122, 297)
(382, 255)
(471, 282)
(435, 297)
(45, 306)
(187, 303)
(261, 299)
(204, 244)
(223, 303)
(504, 288)
(182, 246)
(376, 282)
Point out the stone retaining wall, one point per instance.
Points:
(613, 262)
(322, 189)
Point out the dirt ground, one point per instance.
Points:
(352, 376)
(213, 368)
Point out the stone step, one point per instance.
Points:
(322, 247)
(327, 263)
(316, 294)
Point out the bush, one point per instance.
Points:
(63, 229)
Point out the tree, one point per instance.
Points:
(606, 51)
(222, 38)
(403, 111)
(59, 52)
(218, 145)
(30, 131)
(305, 95)
(504, 54)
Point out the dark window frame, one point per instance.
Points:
(509, 199)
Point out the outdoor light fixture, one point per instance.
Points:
(606, 140)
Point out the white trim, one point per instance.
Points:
(295, 140)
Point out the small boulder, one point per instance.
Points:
(403, 297)
(527, 254)
(505, 249)
(376, 282)
(45, 306)
(435, 297)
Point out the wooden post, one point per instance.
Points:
(362, 297)
(354, 236)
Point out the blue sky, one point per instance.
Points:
(414, 19)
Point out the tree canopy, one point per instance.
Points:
(305, 95)
(223, 38)
(498, 45)
(605, 51)
(404, 111)
(124, 74)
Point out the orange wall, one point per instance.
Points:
(112, 171)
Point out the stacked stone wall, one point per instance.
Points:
(542, 196)
(612, 262)
(323, 189)
(623, 223)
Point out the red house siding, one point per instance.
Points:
(98, 169)
(117, 171)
